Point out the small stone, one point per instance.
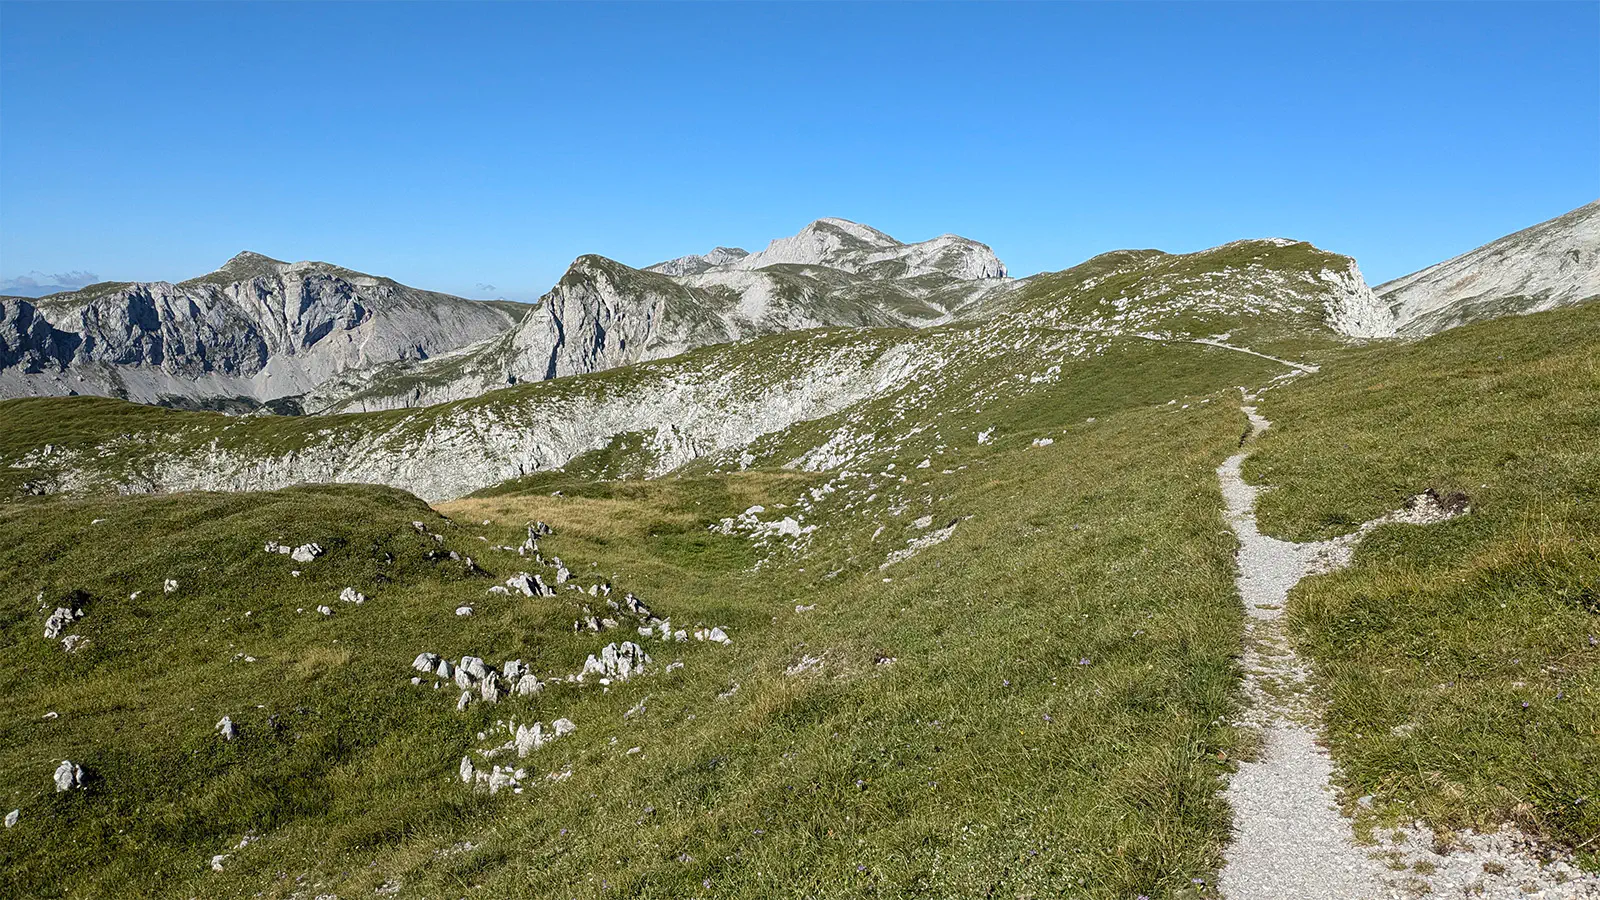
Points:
(528, 685)
(351, 595)
(466, 698)
(463, 610)
(305, 553)
(217, 861)
(227, 729)
(465, 770)
(717, 635)
(170, 585)
(12, 817)
(327, 611)
(68, 776)
(445, 670)
(563, 726)
(425, 662)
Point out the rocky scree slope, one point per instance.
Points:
(254, 331)
(604, 314)
(712, 402)
(1555, 263)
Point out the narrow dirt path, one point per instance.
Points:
(1290, 839)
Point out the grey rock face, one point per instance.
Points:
(697, 263)
(256, 330)
(603, 314)
(1554, 263)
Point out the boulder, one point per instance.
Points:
(528, 685)
(475, 667)
(445, 670)
(489, 689)
(512, 669)
(425, 662)
(68, 776)
(463, 679)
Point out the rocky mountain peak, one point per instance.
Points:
(694, 264)
(250, 264)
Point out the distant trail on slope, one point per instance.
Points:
(1290, 839)
(1307, 368)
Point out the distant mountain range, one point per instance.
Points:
(315, 337)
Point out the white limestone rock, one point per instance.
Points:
(12, 817)
(425, 662)
(351, 595)
(306, 552)
(226, 729)
(68, 775)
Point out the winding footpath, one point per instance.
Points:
(1291, 842)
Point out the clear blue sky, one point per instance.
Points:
(458, 145)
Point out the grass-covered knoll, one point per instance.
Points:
(1460, 661)
(1029, 708)
(1266, 294)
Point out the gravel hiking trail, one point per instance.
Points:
(1289, 838)
(1290, 841)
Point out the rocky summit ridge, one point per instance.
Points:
(256, 330)
(314, 337)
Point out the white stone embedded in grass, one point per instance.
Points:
(806, 665)
(325, 610)
(463, 610)
(170, 585)
(425, 662)
(60, 619)
(68, 776)
(465, 770)
(306, 552)
(351, 595)
(1043, 442)
(466, 699)
(12, 817)
(226, 729)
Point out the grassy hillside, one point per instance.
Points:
(1461, 662)
(985, 635)
(1035, 702)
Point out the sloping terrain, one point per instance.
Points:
(256, 330)
(1555, 263)
(947, 611)
(713, 401)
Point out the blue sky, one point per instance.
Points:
(459, 146)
